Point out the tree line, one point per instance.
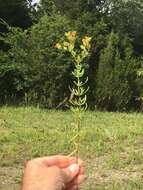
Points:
(33, 72)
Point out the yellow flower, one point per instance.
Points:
(86, 41)
(58, 46)
(66, 44)
(71, 36)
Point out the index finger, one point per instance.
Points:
(57, 160)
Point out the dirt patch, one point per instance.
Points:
(10, 177)
(99, 173)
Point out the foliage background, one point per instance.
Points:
(32, 71)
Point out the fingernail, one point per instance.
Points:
(74, 168)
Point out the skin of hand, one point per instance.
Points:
(53, 173)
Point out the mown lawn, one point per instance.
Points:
(111, 145)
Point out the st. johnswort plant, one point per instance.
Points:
(78, 100)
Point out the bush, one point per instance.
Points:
(116, 75)
(32, 66)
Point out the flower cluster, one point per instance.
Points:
(86, 42)
(71, 36)
(69, 44)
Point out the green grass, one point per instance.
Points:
(111, 145)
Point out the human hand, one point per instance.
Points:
(53, 173)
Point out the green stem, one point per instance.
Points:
(78, 120)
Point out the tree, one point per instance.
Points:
(32, 66)
(15, 13)
(127, 17)
(74, 9)
(46, 7)
(13, 70)
(116, 75)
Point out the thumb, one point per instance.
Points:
(70, 173)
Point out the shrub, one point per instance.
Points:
(116, 75)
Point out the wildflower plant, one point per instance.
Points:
(78, 98)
